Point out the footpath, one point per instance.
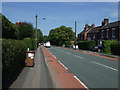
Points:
(34, 77)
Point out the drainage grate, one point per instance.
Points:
(49, 60)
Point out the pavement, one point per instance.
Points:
(95, 71)
(34, 77)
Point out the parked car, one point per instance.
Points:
(74, 46)
(47, 44)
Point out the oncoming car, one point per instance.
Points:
(47, 44)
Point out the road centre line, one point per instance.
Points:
(104, 66)
(63, 65)
(81, 82)
(79, 57)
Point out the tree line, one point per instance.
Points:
(20, 30)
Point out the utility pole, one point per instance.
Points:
(75, 34)
(36, 29)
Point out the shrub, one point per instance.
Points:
(67, 43)
(115, 48)
(107, 46)
(13, 59)
(86, 45)
(29, 43)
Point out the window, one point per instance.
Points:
(107, 33)
(113, 32)
(102, 33)
(93, 36)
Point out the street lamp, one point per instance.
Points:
(36, 28)
(75, 34)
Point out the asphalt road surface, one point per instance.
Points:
(93, 71)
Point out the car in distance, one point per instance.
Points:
(47, 45)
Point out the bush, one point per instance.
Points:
(86, 45)
(13, 59)
(29, 43)
(115, 48)
(107, 46)
(67, 43)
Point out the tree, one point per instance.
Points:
(59, 35)
(45, 38)
(9, 30)
(25, 30)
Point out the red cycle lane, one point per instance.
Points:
(61, 76)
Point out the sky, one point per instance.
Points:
(60, 13)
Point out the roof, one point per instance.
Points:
(95, 29)
(112, 24)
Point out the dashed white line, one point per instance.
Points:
(53, 55)
(79, 57)
(67, 52)
(105, 66)
(63, 65)
(81, 83)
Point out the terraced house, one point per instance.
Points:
(107, 31)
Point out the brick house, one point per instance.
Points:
(84, 34)
(110, 31)
(107, 31)
(94, 33)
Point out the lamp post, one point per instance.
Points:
(36, 29)
(75, 34)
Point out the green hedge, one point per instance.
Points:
(115, 48)
(67, 43)
(13, 59)
(86, 45)
(107, 46)
(30, 43)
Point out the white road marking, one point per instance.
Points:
(105, 66)
(81, 83)
(67, 52)
(63, 65)
(53, 55)
(79, 57)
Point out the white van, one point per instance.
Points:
(47, 45)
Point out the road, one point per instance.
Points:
(93, 71)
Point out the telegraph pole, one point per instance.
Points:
(36, 29)
(75, 34)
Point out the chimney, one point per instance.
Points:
(105, 21)
(93, 25)
(86, 27)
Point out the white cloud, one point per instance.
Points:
(60, 0)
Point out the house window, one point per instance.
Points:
(93, 36)
(107, 33)
(113, 33)
(102, 32)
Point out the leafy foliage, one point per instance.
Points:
(25, 30)
(67, 43)
(86, 45)
(59, 35)
(107, 45)
(115, 48)
(13, 56)
(45, 38)
(29, 43)
(9, 30)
